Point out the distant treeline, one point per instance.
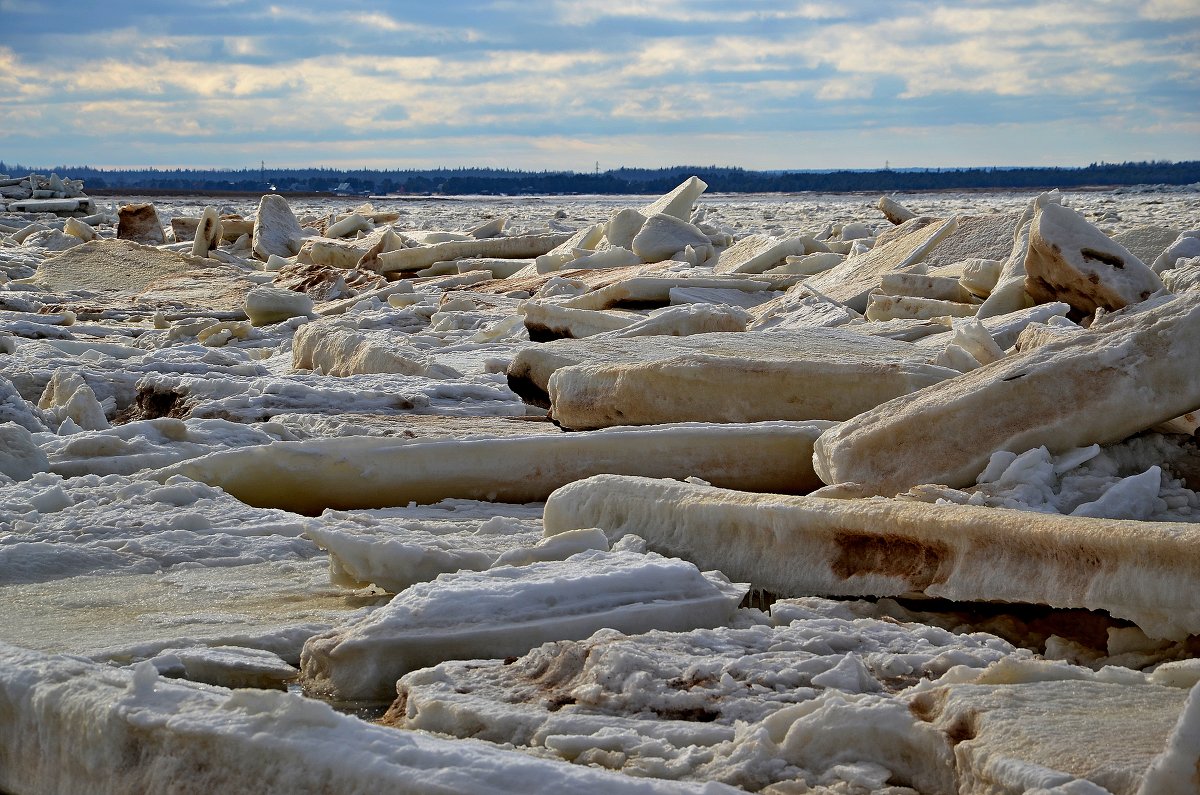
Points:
(462, 181)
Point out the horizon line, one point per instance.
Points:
(19, 167)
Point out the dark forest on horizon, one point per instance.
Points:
(488, 181)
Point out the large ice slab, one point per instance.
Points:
(975, 236)
(364, 472)
(74, 726)
(123, 265)
(515, 247)
(1097, 386)
(1138, 571)
(276, 230)
(851, 281)
(652, 290)
(818, 373)
(509, 610)
(757, 253)
(397, 547)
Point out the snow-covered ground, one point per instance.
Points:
(348, 459)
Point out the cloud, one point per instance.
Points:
(585, 12)
(577, 76)
(1169, 9)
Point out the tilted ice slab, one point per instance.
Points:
(1097, 386)
(1140, 571)
(669, 704)
(821, 373)
(396, 547)
(757, 253)
(73, 726)
(356, 472)
(546, 321)
(975, 236)
(508, 610)
(120, 265)
(679, 201)
(1070, 260)
(851, 281)
(276, 230)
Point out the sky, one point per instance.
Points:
(569, 84)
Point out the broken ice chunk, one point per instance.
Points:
(1071, 260)
(276, 230)
(509, 610)
(267, 305)
(1130, 498)
(208, 232)
(664, 235)
(139, 223)
(894, 211)
(1096, 386)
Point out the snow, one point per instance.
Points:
(557, 648)
(130, 731)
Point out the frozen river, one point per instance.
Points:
(533, 478)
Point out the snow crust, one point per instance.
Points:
(74, 726)
(335, 355)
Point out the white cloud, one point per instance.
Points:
(585, 12)
(822, 66)
(1169, 9)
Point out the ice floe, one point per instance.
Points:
(247, 446)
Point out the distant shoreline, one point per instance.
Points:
(433, 183)
(181, 193)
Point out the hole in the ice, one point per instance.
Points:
(363, 710)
